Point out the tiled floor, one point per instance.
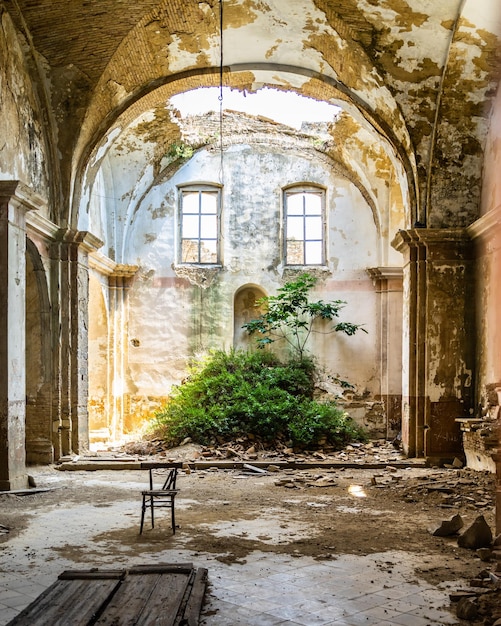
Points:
(263, 589)
(271, 590)
(349, 591)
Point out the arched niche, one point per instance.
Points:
(39, 444)
(244, 310)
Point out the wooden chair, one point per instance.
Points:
(163, 497)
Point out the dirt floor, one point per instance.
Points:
(318, 512)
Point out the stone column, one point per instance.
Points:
(71, 291)
(388, 284)
(439, 339)
(119, 284)
(15, 200)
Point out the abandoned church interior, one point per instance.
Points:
(164, 164)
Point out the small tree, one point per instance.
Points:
(290, 316)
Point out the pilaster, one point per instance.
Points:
(16, 199)
(388, 282)
(119, 282)
(71, 290)
(439, 341)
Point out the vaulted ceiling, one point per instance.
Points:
(420, 73)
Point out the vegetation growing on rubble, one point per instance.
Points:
(241, 394)
(237, 394)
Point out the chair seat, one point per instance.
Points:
(160, 492)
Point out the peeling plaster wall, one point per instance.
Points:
(171, 318)
(276, 33)
(21, 136)
(487, 236)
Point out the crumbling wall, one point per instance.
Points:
(178, 311)
(22, 155)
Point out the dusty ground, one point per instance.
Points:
(316, 512)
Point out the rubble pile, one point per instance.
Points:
(453, 489)
(480, 603)
(252, 449)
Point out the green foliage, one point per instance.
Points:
(235, 394)
(290, 316)
(180, 150)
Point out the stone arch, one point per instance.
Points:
(39, 437)
(152, 97)
(244, 309)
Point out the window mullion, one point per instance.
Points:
(304, 229)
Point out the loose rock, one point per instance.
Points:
(478, 535)
(448, 527)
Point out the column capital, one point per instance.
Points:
(438, 242)
(125, 271)
(122, 276)
(385, 273)
(387, 278)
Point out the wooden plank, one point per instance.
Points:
(91, 574)
(146, 599)
(162, 568)
(129, 600)
(193, 608)
(164, 604)
(162, 594)
(67, 602)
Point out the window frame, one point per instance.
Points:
(305, 188)
(200, 188)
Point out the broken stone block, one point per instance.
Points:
(457, 463)
(448, 527)
(273, 468)
(478, 535)
(466, 609)
(485, 554)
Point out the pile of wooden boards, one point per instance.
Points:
(171, 595)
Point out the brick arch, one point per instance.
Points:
(316, 86)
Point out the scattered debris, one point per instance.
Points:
(252, 449)
(467, 609)
(25, 492)
(478, 535)
(253, 469)
(448, 527)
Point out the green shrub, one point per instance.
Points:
(235, 394)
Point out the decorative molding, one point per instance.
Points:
(385, 273)
(37, 224)
(101, 263)
(88, 241)
(488, 226)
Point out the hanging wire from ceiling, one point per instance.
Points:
(220, 97)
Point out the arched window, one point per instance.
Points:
(199, 216)
(304, 225)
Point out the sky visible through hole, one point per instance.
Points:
(284, 107)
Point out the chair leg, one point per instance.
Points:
(152, 513)
(173, 520)
(143, 509)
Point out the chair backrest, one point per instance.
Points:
(170, 480)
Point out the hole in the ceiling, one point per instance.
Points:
(285, 107)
